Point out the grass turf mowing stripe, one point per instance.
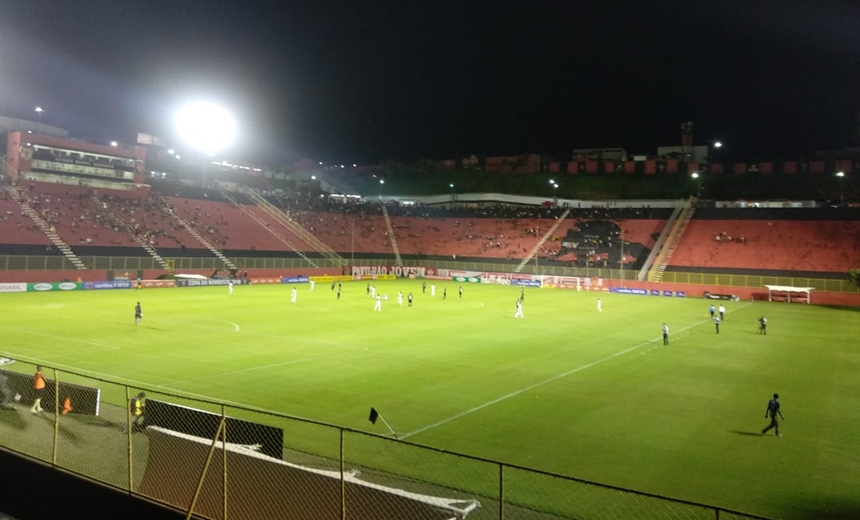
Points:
(550, 380)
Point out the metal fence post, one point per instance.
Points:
(130, 443)
(205, 470)
(56, 417)
(342, 481)
(501, 492)
(224, 458)
(717, 511)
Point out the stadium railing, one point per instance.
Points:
(221, 460)
(58, 263)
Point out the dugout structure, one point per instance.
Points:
(789, 294)
(259, 487)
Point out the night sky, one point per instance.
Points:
(366, 81)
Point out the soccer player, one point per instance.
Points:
(519, 313)
(599, 306)
(665, 334)
(39, 387)
(400, 298)
(138, 314)
(771, 412)
(762, 325)
(332, 285)
(445, 293)
(372, 291)
(312, 285)
(338, 292)
(722, 312)
(522, 294)
(378, 305)
(230, 285)
(717, 323)
(461, 292)
(409, 299)
(423, 287)
(293, 296)
(433, 290)
(713, 310)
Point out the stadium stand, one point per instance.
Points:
(774, 244)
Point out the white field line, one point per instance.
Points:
(547, 381)
(64, 338)
(231, 372)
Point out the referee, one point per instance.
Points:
(772, 412)
(665, 334)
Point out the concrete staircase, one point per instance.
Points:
(46, 229)
(208, 245)
(128, 228)
(542, 241)
(244, 209)
(672, 241)
(397, 260)
(312, 241)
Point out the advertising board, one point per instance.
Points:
(295, 279)
(398, 271)
(157, 284)
(116, 284)
(267, 280)
(466, 279)
(525, 283)
(13, 287)
(54, 286)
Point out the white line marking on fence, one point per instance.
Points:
(545, 382)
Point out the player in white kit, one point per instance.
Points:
(378, 305)
(433, 290)
(312, 284)
(599, 308)
(293, 297)
(519, 313)
(400, 299)
(230, 285)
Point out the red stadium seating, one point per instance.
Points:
(791, 245)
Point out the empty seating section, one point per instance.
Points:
(16, 227)
(75, 214)
(227, 227)
(789, 245)
(469, 237)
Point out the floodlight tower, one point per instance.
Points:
(207, 128)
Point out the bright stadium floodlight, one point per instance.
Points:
(171, 151)
(695, 175)
(718, 144)
(381, 181)
(313, 177)
(551, 181)
(840, 174)
(205, 126)
(114, 143)
(38, 109)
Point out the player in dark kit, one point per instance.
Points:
(409, 299)
(368, 289)
(138, 314)
(338, 292)
(771, 412)
(717, 323)
(332, 286)
(522, 294)
(461, 292)
(444, 293)
(762, 325)
(423, 287)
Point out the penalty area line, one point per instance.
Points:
(546, 381)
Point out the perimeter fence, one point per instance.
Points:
(219, 460)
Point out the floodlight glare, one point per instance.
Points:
(718, 144)
(114, 143)
(695, 175)
(205, 126)
(38, 109)
(840, 174)
(381, 181)
(313, 177)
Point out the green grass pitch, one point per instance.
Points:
(568, 389)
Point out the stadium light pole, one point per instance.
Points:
(39, 111)
(381, 183)
(841, 176)
(695, 176)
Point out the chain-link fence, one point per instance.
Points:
(224, 461)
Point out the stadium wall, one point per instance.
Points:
(100, 275)
(744, 293)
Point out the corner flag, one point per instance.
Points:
(374, 415)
